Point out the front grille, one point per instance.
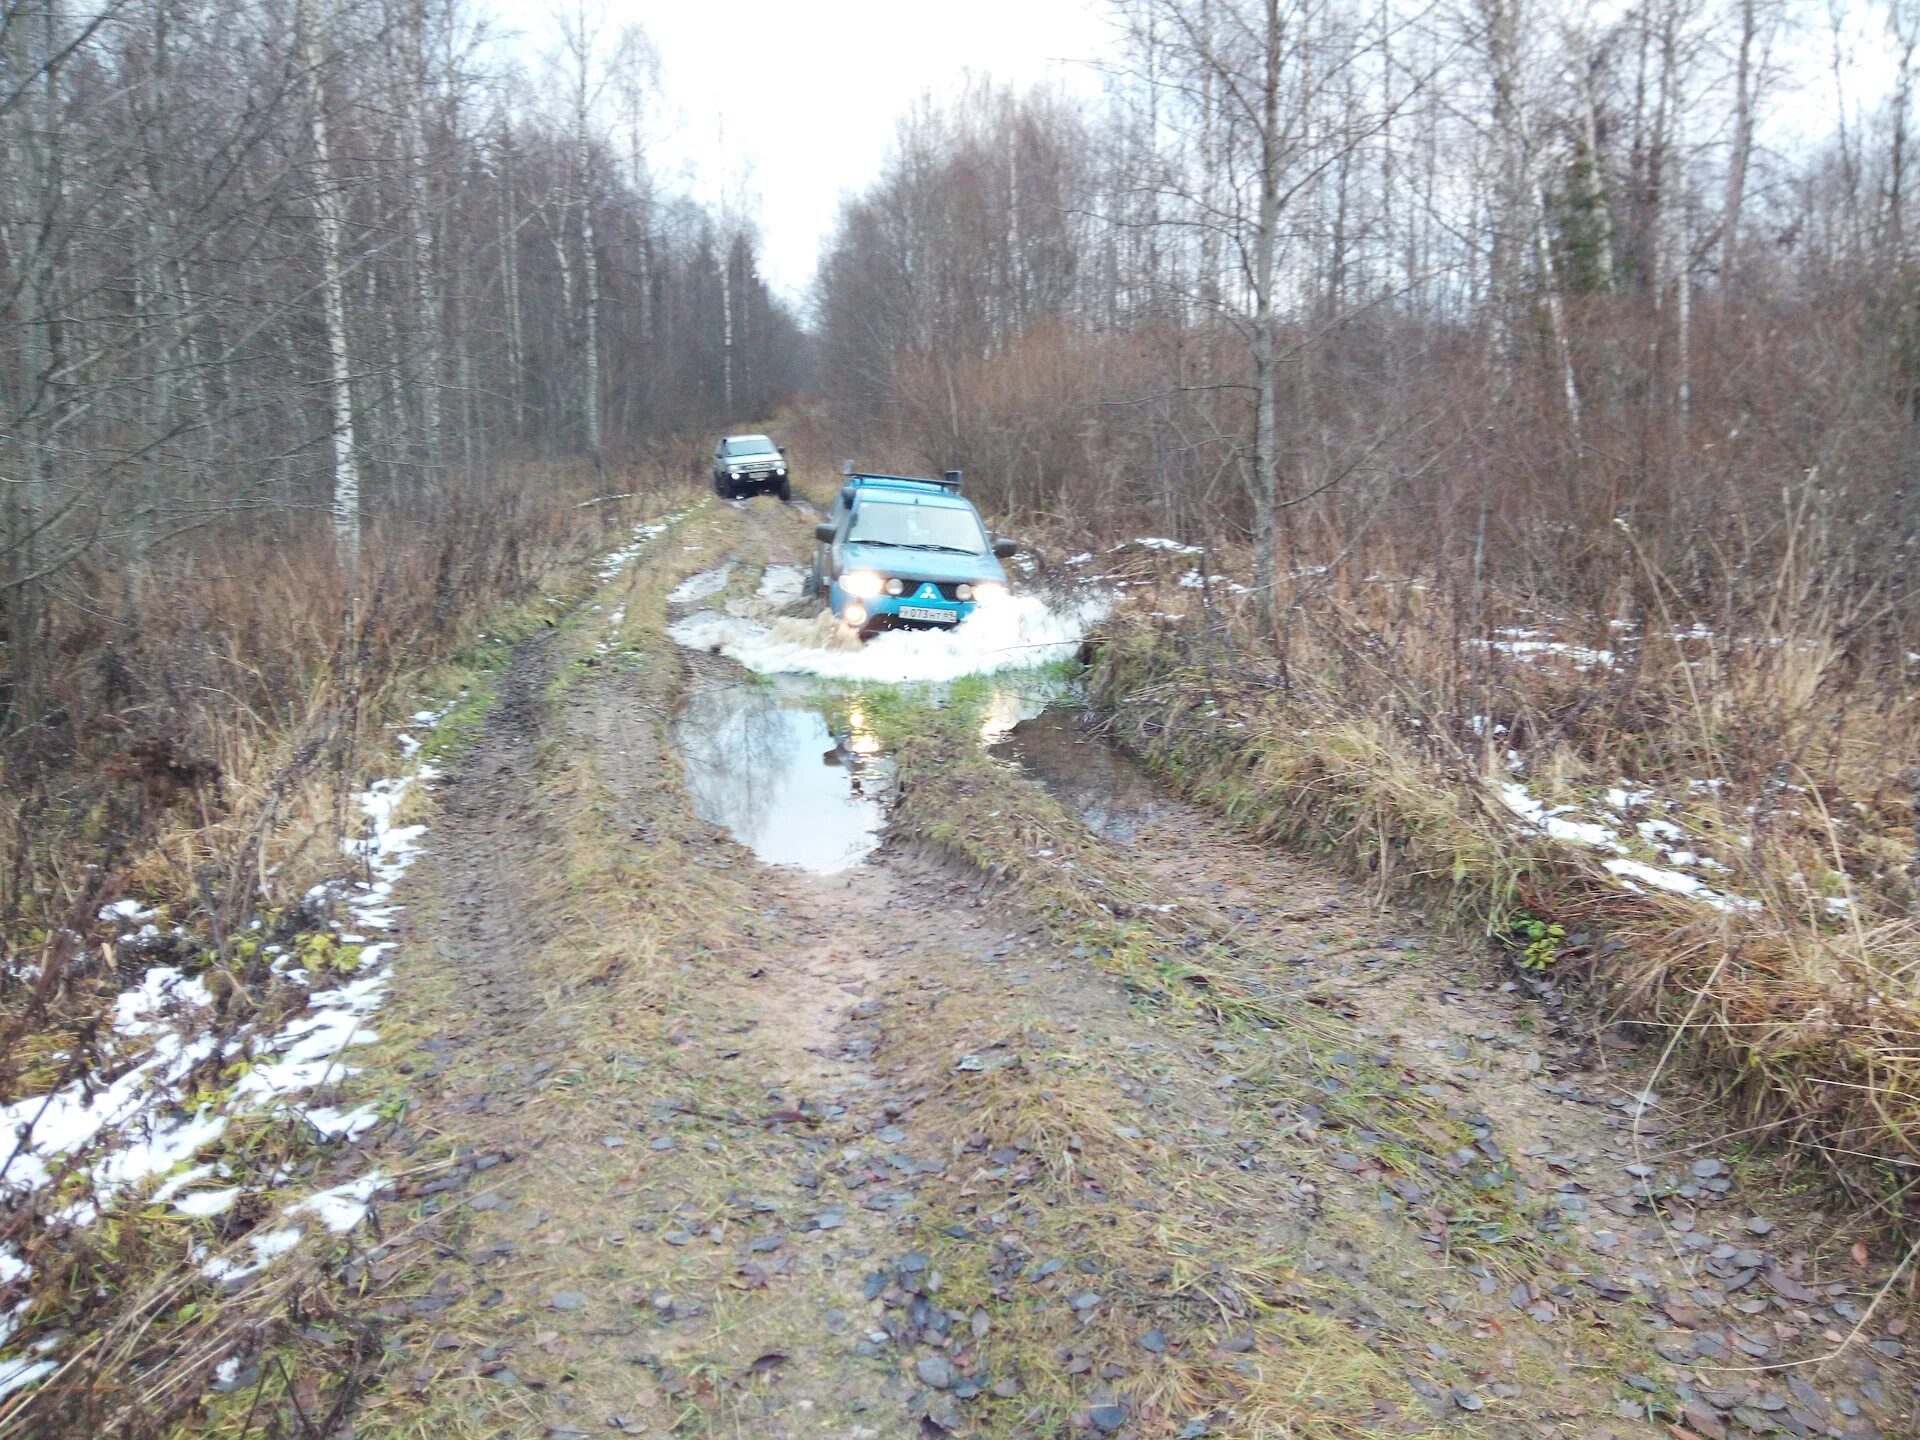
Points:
(945, 588)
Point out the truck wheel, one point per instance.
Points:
(785, 491)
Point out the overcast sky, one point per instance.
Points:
(779, 108)
(786, 105)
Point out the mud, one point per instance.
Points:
(1103, 789)
(802, 1134)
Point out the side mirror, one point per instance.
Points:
(782, 449)
(1005, 549)
(823, 533)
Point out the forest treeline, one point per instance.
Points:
(1498, 289)
(302, 293)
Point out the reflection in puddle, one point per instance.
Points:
(1105, 790)
(799, 777)
(768, 768)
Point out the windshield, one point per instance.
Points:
(750, 445)
(918, 527)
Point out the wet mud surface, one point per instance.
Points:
(1646, 1185)
(770, 1126)
(1103, 789)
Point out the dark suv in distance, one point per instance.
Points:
(747, 464)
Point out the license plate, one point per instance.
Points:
(921, 612)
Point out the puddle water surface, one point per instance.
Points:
(1110, 794)
(770, 768)
(798, 776)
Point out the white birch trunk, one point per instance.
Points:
(726, 334)
(510, 286)
(346, 467)
(590, 267)
(1266, 422)
(420, 229)
(591, 383)
(1596, 181)
(1556, 308)
(1742, 151)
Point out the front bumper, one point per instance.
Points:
(886, 611)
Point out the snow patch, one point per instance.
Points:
(612, 563)
(342, 1124)
(204, 1203)
(1678, 883)
(343, 1207)
(267, 1246)
(1526, 645)
(17, 1374)
(161, 989)
(1156, 542)
(1599, 835)
(1571, 832)
(1195, 580)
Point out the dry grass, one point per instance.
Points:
(209, 734)
(1362, 743)
(293, 717)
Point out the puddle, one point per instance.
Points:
(772, 769)
(1105, 790)
(798, 776)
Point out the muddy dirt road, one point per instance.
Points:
(822, 1061)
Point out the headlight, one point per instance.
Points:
(779, 469)
(896, 587)
(863, 583)
(963, 591)
(989, 592)
(735, 473)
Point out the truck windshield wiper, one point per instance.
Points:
(910, 545)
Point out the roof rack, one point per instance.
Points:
(950, 481)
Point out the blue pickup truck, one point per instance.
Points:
(899, 552)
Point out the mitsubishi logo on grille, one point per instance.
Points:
(928, 591)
